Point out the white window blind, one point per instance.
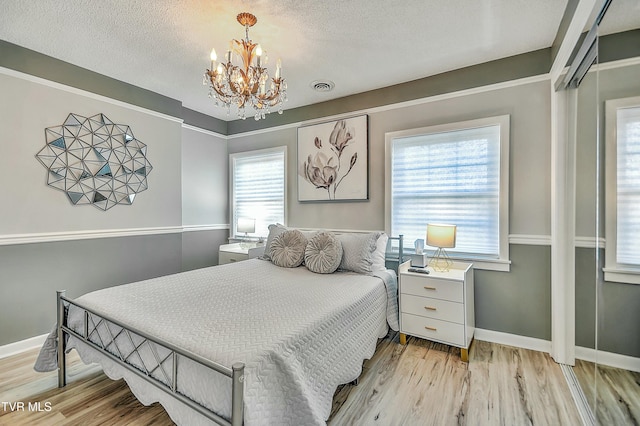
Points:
(628, 186)
(451, 177)
(258, 185)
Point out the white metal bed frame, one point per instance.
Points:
(93, 320)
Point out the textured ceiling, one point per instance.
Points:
(164, 45)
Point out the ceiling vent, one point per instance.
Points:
(322, 85)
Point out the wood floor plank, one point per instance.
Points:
(420, 383)
(613, 394)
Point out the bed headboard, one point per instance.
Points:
(394, 255)
(395, 252)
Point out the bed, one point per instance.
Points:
(244, 343)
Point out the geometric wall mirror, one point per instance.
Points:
(95, 161)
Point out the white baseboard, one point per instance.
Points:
(608, 358)
(513, 340)
(22, 346)
(587, 354)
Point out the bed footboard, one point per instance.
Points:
(92, 321)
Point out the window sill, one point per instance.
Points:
(499, 265)
(621, 275)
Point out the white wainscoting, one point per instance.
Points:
(49, 237)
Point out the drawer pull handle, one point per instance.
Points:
(430, 308)
(429, 288)
(430, 328)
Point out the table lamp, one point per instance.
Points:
(245, 225)
(441, 236)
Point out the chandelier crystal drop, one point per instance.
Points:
(248, 85)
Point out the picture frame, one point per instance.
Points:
(333, 160)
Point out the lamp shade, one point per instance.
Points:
(441, 236)
(246, 225)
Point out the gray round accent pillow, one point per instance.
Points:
(323, 253)
(287, 249)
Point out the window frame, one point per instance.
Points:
(232, 193)
(502, 262)
(613, 271)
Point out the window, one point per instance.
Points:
(456, 174)
(258, 188)
(622, 180)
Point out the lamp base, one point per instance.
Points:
(440, 261)
(243, 242)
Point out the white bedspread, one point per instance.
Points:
(299, 334)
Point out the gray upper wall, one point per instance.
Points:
(31, 62)
(506, 69)
(612, 47)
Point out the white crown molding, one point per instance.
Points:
(405, 104)
(59, 86)
(205, 131)
(615, 64)
(49, 237)
(22, 346)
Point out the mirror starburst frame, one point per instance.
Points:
(95, 161)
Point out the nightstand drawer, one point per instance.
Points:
(433, 329)
(432, 287)
(230, 257)
(433, 308)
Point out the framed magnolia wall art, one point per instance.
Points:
(333, 161)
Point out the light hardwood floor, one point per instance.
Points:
(613, 394)
(422, 383)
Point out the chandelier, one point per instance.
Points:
(248, 85)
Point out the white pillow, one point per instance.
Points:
(323, 253)
(357, 252)
(378, 262)
(287, 249)
(275, 229)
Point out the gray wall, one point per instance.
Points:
(618, 303)
(187, 188)
(530, 184)
(31, 274)
(30, 206)
(515, 302)
(205, 175)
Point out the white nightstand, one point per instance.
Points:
(229, 253)
(438, 306)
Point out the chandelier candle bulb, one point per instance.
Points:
(258, 54)
(278, 68)
(214, 57)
